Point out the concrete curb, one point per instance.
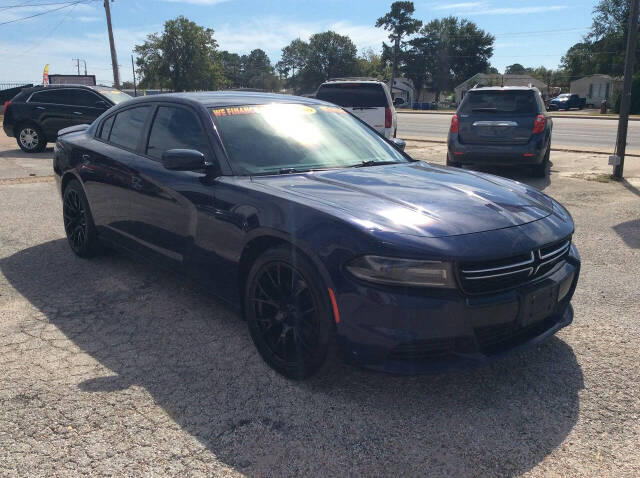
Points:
(565, 149)
(551, 113)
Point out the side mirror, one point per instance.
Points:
(398, 143)
(101, 104)
(398, 101)
(183, 160)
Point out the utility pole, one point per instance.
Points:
(133, 69)
(112, 45)
(77, 60)
(625, 101)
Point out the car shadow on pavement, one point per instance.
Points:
(629, 232)
(156, 330)
(17, 153)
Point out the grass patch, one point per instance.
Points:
(597, 177)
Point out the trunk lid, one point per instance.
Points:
(485, 127)
(497, 116)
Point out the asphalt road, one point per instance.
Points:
(567, 132)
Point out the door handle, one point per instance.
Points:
(77, 113)
(40, 108)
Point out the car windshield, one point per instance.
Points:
(499, 101)
(291, 137)
(114, 95)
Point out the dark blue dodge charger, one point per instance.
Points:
(321, 231)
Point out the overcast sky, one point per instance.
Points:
(529, 32)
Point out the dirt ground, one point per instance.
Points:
(114, 367)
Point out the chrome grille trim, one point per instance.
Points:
(501, 268)
(496, 275)
(558, 251)
(529, 271)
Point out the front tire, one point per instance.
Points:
(31, 139)
(288, 313)
(78, 222)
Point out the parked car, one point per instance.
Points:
(367, 99)
(35, 115)
(505, 126)
(566, 101)
(320, 231)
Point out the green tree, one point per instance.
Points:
(453, 50)
(232, 68)
(293, 59)
(602, 50)
(371, 64)
(183, 57)
(516, 69)
(258, 71)
(400, 23)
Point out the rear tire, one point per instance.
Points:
(78, 222)
(541, 170)
(30, 138)
(453, 164)
(288, 313)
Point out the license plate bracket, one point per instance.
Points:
(538, 305)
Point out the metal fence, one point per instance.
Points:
(14, 84)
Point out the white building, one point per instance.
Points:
(596, 88)
(403, 88)
(495, 79)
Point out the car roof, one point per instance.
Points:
(32, 89)
(227, 98)
(502, 88)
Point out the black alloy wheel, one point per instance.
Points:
(78, 223)
(287, 313)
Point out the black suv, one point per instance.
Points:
(35, 115)
(501, 126)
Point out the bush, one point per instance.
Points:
(635, 96)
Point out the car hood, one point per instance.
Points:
(415, 198)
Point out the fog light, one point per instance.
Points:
(564, 288)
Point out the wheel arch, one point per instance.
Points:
(258, 244)
(67, 178)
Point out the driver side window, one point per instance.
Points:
(176, 128)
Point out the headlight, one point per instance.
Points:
(407, 272)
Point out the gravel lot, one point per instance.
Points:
(113, 367)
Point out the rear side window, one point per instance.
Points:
(106, 128)
(499, 101)
(83, 98)
(353, 95)
(127, 127)
(53, 97)
(176, 128)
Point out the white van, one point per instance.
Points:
(369, 100)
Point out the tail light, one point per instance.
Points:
(539, 124)
(455, 126)
(387, 117)
(6, 107)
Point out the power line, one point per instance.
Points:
(67, 5)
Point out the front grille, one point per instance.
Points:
(497, 338)
(491, 276)
(431, 349)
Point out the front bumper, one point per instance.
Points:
(412, 331)
(528, 154)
